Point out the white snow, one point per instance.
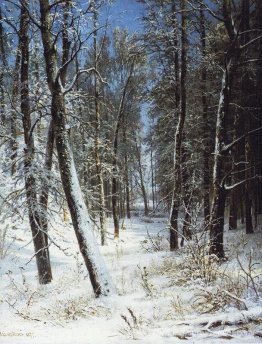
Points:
(155, 301)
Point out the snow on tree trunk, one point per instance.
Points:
(99, 171)
(179, 136)
(99, 277)
(219, 193)
(41, 249)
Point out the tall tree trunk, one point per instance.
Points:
(44, 196)
(257, 146)
(176, 196)
(206, 138)
(99, 172)
(119, 121)
(246, 112)
(233, 206)
(41, 249)
(141, 176)
(13, 119)
(3, 66)
(219, 194)
(114, 196)
(152, 177)
(127, 190)
(100, 280)
(187, 197)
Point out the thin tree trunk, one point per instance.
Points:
(41, 249)
(142, 184)
(258, 103)
(187, 198)
(114, 196)
(179, 135)
(13, 119)
(233, 209)
(152, 177)
(127, 191)
(43, 199)
(206, 151)
(99, 172)
(246, 115)
(3, 66)
(120, 115)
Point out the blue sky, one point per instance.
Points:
(125, 13)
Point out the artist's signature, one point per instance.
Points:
(15, 334)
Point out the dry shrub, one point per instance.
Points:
(73, 308)
(135, 325)
(178, 308)
(155, 243)
(146, 283)
(202, 269)
(209, 300)
(228, 291)
(165, 266)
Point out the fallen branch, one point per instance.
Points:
(235, 298)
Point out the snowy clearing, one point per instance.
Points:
(159, 298)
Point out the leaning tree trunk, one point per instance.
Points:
(41, 249)
(99, 277)
(177, 190)
(100, 280)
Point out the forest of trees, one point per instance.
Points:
(96, 120)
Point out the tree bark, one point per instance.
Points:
(99, 172)
(127, 189)
(219, 194)
(120, 117)
(179, 135)
(100, 280)
(245, 104)
(258, 102)
(206, 139)
(3, 66)
(41, 249)
(142, 184)
(44, 196)
(13, 119)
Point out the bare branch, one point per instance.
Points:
(84, 71)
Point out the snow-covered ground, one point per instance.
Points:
(162, 297)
